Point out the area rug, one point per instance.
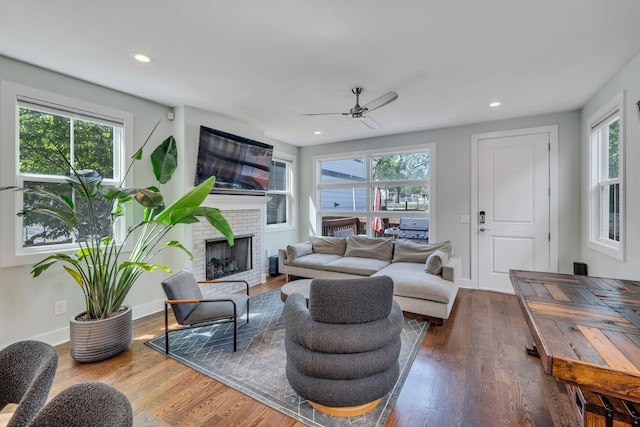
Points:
(257, 368)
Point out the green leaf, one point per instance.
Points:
(68, 200)
(85, 181)
(147, 197)
(191, 199)
(164, 160)
(144, 265)
(215, 218)
(64, 215)
(137, 155)
(49, 261)
(74, 273)
(176, 244)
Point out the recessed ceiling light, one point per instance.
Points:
(141, 57)
(495, 104)
(317, 132)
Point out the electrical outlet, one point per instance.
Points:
(464, 219)
(59, 308)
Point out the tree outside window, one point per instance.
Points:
(374, 191)
(44, 134)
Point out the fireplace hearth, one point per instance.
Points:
(222, 260)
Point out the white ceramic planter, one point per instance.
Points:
(100, 339)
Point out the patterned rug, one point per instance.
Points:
(257, 368)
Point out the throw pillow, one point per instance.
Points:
(435, 262)
(407, 250)
(369, 247)
(298, 250)
(328, 245)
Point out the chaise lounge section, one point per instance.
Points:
(426, 276)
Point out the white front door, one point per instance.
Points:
(513, 207)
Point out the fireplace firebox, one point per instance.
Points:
(224, 260)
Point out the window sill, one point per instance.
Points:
(615, 252)
(279, 227)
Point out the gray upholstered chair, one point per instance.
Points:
(191, 310)
(27, 369)
(342, 351)
(85, 404)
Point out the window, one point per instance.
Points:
(606, 196)
(46, 126)
(45, 134)
(280, 207)
(369, 193)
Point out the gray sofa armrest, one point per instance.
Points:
(451, 271)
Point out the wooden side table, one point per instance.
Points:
(586, 329)
(302, 286)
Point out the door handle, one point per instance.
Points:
(484, 229)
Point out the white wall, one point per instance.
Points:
(453, 180)
(26, 304)
(627, 80)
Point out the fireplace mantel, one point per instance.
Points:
(234, 201)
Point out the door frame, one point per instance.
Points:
(552, 130)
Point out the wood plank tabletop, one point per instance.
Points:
(586, 329)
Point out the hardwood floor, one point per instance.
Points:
(472, 371)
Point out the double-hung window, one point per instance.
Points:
(606, 195)
(280, 207)
(53, 134)
(368, 193)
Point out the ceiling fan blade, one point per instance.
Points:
(369, 122)
(324, 114)
(380, 101)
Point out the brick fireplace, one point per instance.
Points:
(247, 217)
(222, 259)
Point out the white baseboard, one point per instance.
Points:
(61, 336)
(146, 309)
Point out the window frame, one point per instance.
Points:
(12, 97)
(289, 161)
(370, 185)
(598, 231)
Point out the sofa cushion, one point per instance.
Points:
(298, 250)
(369, 247)
(435, 262)
(410, 280)
(328, 245)
(315, 261)
(407, 250)
(356, 265)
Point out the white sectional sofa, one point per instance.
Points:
(426, 276)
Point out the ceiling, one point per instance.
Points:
(266, 63)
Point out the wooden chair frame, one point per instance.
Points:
(233, 319)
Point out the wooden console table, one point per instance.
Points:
(586, 329)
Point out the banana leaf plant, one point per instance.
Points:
(102, 266)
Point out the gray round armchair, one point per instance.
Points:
(342, 352)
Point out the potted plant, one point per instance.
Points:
(103, 267)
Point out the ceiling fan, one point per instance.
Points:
(359, 113)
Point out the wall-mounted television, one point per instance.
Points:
(240, 165)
